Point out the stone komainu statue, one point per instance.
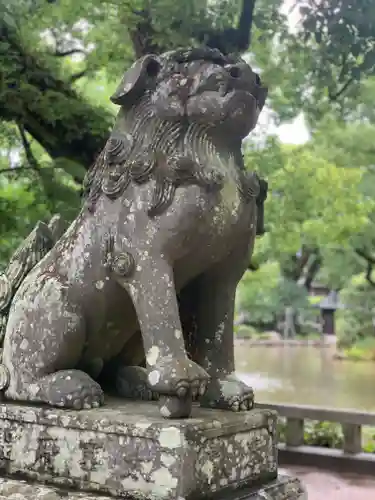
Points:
(138, 294)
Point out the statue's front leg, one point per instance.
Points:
(215, 339)
(170, 372)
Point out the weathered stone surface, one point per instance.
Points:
(127, 449)
(11, 489)
(166, 232)
(284, 488)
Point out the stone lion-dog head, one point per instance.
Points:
(185, 108)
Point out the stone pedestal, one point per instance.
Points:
(126, 450)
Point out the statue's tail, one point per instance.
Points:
(31, 251)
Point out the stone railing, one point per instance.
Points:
(350, 458)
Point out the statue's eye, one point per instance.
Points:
(257, 79)
(153, 68)
(235, 72)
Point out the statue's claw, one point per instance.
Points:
(229, 393)
(179, 381)
(175, 407)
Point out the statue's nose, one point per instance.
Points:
(211, 80)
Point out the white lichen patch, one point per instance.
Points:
(143, 425)
(24, 344)
(153, 355)
(165, 412)
(154, 377)
(99, 285)
(147, 467)
(207, 470)
(170, 437)
(167, 460)
(164, 479)
(220, 332)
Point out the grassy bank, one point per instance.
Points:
(248, 332)
(363, 350)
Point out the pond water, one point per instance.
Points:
(306, 375)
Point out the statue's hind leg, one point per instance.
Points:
(44, 340)
(215, 349)
(132, 383)
(129, 382)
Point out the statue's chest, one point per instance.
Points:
(234, 211)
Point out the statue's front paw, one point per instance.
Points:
(69, 389)
(178, 377)
(178, 381)
(228, 393)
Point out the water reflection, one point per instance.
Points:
(306, 375)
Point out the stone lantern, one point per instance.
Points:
(328, 307)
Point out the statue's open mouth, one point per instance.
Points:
(200, 71)
(226, 91)
(208, 93)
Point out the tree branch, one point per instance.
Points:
(26, 146)
(312, 271)
(64, 53)
(142, 35)
(22, 167)
(81, 130)
(362, 253)
(34, 166)
(230, 40)
(234, 39)
(369, 279)
(370, 262)
(245, 24)
(303, 269)
(15, 169)
(339, 93)
(78, 75)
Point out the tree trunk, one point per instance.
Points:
(63, 123)
(289, 323)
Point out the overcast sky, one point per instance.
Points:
(296, 131)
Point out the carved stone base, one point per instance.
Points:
(125, 449)
(283, 488)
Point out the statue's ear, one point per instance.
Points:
(136, 80)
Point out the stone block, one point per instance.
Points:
(126, 449)
(283, 488)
